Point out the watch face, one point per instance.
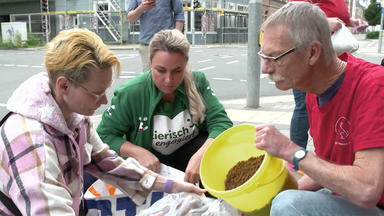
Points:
(300, 154)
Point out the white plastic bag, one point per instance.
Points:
(188, 204)
(344, 41)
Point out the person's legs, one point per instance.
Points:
(299, 121)
(144, 53)
(298, 202)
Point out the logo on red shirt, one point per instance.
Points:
(342, 131)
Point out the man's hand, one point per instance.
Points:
(334, 24)
(148, 4)
(274, 142)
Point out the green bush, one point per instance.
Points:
(32, 41)
(372, 35)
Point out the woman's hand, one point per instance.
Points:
(149, 160)
(145, 157)
(192, 172)
(181, 186)
(358, 24)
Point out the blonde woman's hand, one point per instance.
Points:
(181, 186)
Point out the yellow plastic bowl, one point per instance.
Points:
(234, 145)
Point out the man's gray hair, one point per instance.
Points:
(305, 23)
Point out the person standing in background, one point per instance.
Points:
(154, 16)
(337, 13)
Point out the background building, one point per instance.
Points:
(216, 21)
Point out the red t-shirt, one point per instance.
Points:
(353, 119)
(332, 8)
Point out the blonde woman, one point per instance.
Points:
(168, 115)
(48, 140)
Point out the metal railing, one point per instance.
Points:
(211, 25)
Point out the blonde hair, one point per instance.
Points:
(73, 52)
(173, 41)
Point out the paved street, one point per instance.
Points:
(224, 65)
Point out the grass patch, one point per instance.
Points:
(372, 35)
(32, 41)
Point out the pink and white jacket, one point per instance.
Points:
(43, 156)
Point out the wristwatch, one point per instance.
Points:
(298, 156)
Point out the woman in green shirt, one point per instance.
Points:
(168, 115)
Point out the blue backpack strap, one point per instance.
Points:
(4, 198)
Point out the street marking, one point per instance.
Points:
(371, 44)
(128, 72)
(262, 76)
(226, 56)
(128, 57)
(223, 79)
(206, 68)
(9, 65)
(127, 77)
(3, 105)
(271, 82)
(202, 61)
(37, 66)
(232, 62)
(24, 66)
(243, 80)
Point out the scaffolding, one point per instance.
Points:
(212, 25)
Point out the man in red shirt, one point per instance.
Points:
(345, 95)
(337, 13)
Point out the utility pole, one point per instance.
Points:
(381, 26)
(45, 19)
(193, 22)
(253, 67)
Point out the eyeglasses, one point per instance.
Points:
(97, 96)
(275, 59)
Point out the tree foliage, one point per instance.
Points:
(372, 13)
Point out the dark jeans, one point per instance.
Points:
(182, 155)
(299, 122)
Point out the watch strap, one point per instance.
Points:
(296, 159)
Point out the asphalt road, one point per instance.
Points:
(225, 67)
